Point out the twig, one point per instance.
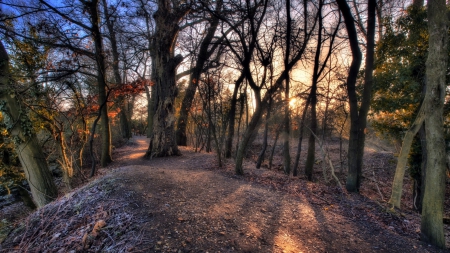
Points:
(114, 242)
(376, 184)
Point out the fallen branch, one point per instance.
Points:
(326, 155)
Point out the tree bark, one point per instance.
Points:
(43, 189)
(310, 158)
(397, 184)
(300, 137)
(63, 161)
(165, 63)
(150, 110)
(274, 146)
(416, 126)
(358, 120)
(232, 117)
(125, 125)
(203, 55)
(106, 146)
(432, 229)
(252, 126)
(262, 154)
(286, 148)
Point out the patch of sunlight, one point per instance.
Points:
(228, 205)
(286, 240)
(135, 156)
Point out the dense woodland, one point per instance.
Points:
(79, 78)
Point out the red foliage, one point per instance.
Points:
(131, 88)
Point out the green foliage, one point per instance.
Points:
(27, 60)
(10, 172)
(400, 73)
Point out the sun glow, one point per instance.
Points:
(293, 102)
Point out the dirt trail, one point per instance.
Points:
(185, 204)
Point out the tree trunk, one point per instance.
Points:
(30, 154)
(64, 162)
(432, 229)
(358, 120)
(150, 110)
(252, 126)
(423, 169)
(163, 141)
(310, 158)
(125, 125)
(266, 132)
(81, 137)
(367, 91)
(105, 133)
(203, 55)
(419, 175)
(397, 184)
(286, 148)
(300, 137)
(274, 146)
(232, 116)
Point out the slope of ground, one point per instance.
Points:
(186, 204)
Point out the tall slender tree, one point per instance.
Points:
(287, 125)
(358, 116)
(111, 24)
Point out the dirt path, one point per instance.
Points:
(184, 204)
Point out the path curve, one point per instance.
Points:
(184, 204)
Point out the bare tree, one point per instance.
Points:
(358, 116)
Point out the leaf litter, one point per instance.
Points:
(187, 204)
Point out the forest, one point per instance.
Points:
(303, 89)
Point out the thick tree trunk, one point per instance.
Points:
(432, 229)
(30, 154)
(163, 141)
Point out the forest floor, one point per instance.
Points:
(188, 204)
